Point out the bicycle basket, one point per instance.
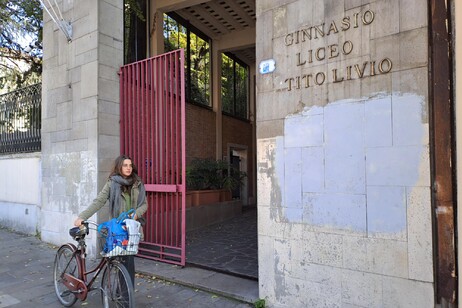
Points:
(112, 245)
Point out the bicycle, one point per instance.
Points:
(71, 278)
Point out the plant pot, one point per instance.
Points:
(225, 195)
(188, 199)
(203, 197)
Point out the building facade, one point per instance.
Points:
(352, 156)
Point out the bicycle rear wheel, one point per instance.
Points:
(65, 262)
(116, 286)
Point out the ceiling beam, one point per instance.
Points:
(175, 5)
(236, 40)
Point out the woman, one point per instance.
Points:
(124, 190)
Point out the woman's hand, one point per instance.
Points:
(78, 222)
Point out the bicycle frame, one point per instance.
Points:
(79, 285)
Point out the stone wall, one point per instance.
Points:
(343, 154)
(80, 110)
(20, 192)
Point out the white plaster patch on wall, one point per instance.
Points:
(347, 165)
(74, 182)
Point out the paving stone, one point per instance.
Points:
(26, 267)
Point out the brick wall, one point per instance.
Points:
(200, 132)
(240, 133)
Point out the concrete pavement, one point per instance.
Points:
(26, 270)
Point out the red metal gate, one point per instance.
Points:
(152, 132)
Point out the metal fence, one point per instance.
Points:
(20, 120)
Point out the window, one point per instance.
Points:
(135, 34)
(179, 34)
(234, 86)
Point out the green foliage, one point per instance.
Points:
(234, 87)
(134, 27)
(205, 174)
(20, 43)
(197, 65)
(260, 303)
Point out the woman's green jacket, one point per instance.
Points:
(103, 197)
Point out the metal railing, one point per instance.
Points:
(20, 120)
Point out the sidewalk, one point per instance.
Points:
(26, 269)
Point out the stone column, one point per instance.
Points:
(80, 112)
(343, 165)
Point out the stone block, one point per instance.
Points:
(270, 163)
(323, 248)
(86, 42)
(110, 56)
(85, 109)
(361, 289)
(84, 58)
(373, 87)
(386, 21)
(413, 81)
(77, 145)
(109, 72)
(89, 83)
(355, 253)
(79, 130)
(264, 40)
(313, 169)
(109, 90)
(352, 4)
(344, 171)
(64, 116)
(279, 21)
(378, 122)
(386, 212)
(419, 11)
(409, 127)
(85, 17)
(342, 132)
(58, 147)
(270, 129)
(108, 145)
(420, 239)
(386, 47)
(319, 274)
(319, 295)
(407, 293)
(387, 257)
(108, 16)
(48, 125)
(263, 100)
(293, 182)
(59, 136)
(74, 75)
(109, 107)
(413, 49)
(339, 211)
(265, 258)
(396, 166)
(303, 131)
(344, 148)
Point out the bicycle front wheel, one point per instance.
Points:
(116, 286)
(65, 262)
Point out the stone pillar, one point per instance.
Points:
(216, 98)
(80, 112)
(343, 154)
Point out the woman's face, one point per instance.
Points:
(127, 168)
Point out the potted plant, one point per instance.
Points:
(211, 181)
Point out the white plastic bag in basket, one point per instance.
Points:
(133, 228)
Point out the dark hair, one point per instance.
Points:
(117, 167)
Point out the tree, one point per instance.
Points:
(20, 43)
